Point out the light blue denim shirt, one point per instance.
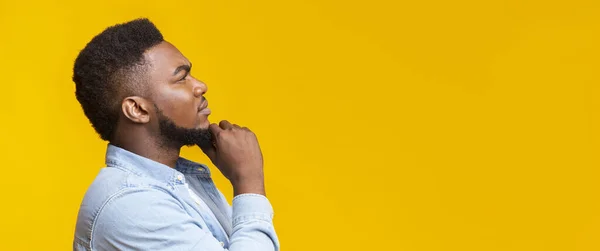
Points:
(138, 204)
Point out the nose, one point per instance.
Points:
(200, 88)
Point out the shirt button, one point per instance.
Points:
(222, 244)
(179, 177)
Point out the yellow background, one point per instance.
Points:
(385, 125)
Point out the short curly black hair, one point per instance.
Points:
(110, 68)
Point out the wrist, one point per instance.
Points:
(249, 186)
(248, 175)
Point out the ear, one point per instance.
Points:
(136, 109)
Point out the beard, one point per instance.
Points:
(173, 134)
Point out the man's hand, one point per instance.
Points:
(235, 151)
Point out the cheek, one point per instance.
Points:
(180, 107)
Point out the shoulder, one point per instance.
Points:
(112, 187)
(146, 218)
(134, 207)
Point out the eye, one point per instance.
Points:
(184, 77)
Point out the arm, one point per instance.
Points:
(236, 153)
(253, 224)
(151, 219)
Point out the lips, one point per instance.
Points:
(203, 108)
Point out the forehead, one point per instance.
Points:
(165, 56)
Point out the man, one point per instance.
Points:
(137, 91)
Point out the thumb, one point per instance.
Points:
(210, 151)
(209, 148)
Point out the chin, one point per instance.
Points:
(203, 125)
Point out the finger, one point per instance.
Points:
(237, 126)
(215, 130)
(224, 124)
(210, 150)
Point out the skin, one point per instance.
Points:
(180, 97)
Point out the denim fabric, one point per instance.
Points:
(138, 204)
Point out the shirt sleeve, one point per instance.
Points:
(253, 214)
(152, 219)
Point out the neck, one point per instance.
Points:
(147, 146)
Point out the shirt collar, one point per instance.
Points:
(142, 166)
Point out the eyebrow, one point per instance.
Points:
(187, 68)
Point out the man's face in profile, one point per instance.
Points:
(180, 107)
